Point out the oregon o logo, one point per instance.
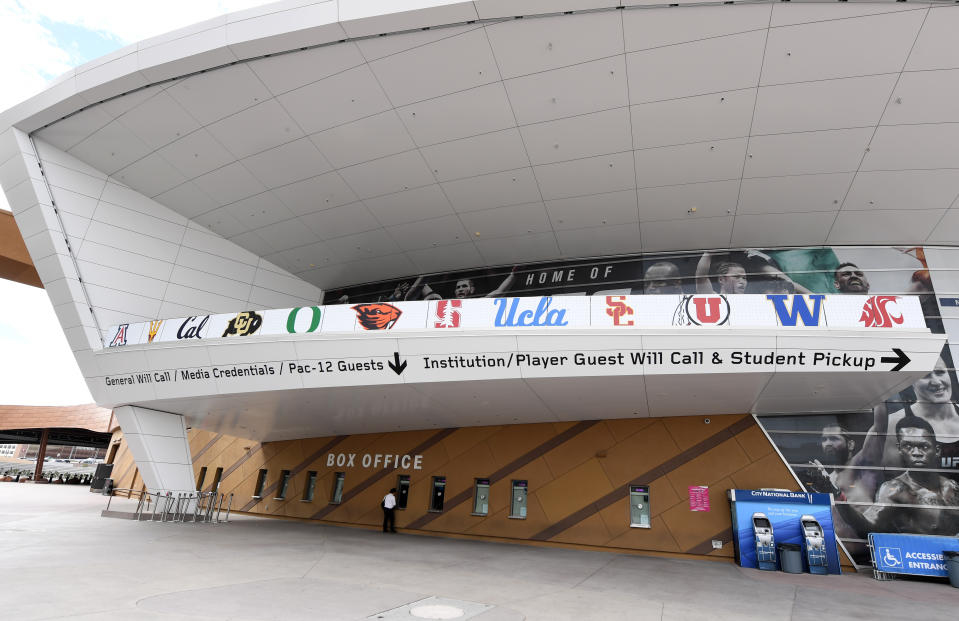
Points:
(314, 320)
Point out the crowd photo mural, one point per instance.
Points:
(894, 469)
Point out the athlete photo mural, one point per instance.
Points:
(895, 469)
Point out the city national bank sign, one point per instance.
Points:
(624, 312)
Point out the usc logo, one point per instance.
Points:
(617, 308)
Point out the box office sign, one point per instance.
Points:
(374, 461)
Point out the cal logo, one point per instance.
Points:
(799, 310)
(875, 312)
(617, 308)
(701, 310)
(448, 313)
(120, 338)
(244, 324)
(190, 329)
(154, 330)
(377, 316)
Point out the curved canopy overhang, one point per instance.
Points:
(357, 141)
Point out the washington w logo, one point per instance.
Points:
(448, 313)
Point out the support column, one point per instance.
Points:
(158, 442)
(41, 453)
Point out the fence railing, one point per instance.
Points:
(176, 506)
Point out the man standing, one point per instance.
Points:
(925, 493)
(662, 278)
(849, 278)
(389, 511)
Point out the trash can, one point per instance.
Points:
(951, 557)
(790, 557)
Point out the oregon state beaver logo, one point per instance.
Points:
(377, 316)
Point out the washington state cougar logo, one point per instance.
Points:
(448, 313)
(377, 316)
(701, 310)
(876, 315)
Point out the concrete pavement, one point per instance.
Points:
(61, 560)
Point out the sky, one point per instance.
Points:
(39, 41)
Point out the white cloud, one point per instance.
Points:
(36, 363)
(33, 57)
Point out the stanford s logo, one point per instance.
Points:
(244, 324)
(876, 315)
(120, 338)
(799, 311)
(701, 310)
(617, 308)
(448, 313)
(377, 316)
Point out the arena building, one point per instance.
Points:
(560, 271)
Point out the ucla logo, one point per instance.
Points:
(799, 311)
(507, 315)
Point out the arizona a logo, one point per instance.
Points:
(448, 313)
(875, 313)
(244, 324)
(701, 310)
(617, 308)
(377, 316)
(120, 338)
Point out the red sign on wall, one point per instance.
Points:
(698, 498)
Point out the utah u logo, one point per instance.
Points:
(120, 338)
(799, 310)
(448, 314)
(701, 310)
(617, 308)
(876, 315)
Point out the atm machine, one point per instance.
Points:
(765, 542)
(814, 541)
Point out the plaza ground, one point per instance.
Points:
(61, 560)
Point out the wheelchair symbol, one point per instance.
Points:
(890, 557)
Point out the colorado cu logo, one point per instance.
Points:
(448, 313)
(244, 324)
(890, 557)
(701, 310)
(377, 316)
(875, 313)
(617, 308)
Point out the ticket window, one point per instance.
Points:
(216, 479)
(517, 503)
(260, 482)
(201, 478)
(437, 494)
(639, 506)
(282, 485)
(402, 490)
(339, 479)
(481, 497)
(310, 488)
